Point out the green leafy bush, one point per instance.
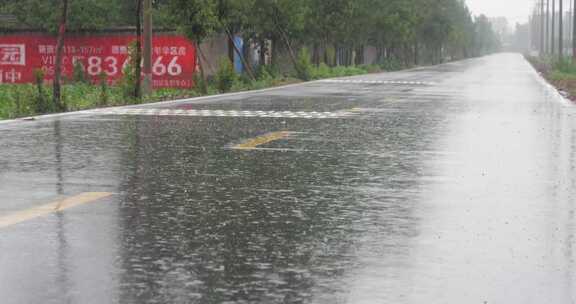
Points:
(304, 67)
(128, 81)
(225, 76)
(104, 99)
(200, 84)
(79, 74)
(19, 100)
(265, 72)
(322, 71)
(41, 101)
(391, 64)
(565, 66)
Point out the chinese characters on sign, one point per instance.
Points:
(12, 54)
(174, 58)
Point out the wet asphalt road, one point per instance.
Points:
(447, 184)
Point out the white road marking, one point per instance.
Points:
(425, 83)
(223, 113)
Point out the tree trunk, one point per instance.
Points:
(263, 52)
(359, 55)
(316, 54)
(379, 54)
(289, 46)
(138, 67)
(325, 49)
(351, 56)
(231, 47)
(336, 59)
(275, 51)
(247, 53)
(325, 56)
(416, 54)
(200, 57)
(57, 93)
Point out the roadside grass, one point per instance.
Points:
(22, 100)
(560, 73)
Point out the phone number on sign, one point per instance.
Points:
(110, 66)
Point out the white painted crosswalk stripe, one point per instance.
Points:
(224, 113)
(400, 82)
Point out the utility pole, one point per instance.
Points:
(547, 35)
(553, 30)
(542, 29)
(147, 52)
(570, 20)
(574, 33)
(561, 29)
(542, 20)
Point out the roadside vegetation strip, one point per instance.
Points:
(254, 143)
(24, 100)
(54, 207)
(561, 74)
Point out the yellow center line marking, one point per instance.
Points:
(61, 205)
(251, 144)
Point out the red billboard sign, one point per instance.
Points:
(173, 63)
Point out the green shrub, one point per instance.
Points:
(322, 71)
(104, 99)
(200, 84)
(265, 72)
(41, 101)
(18, 100)
(391, 64)
(79, 74)
(128, 81)
(304, 67)
(342, 71)
(565, 66)
(19, 105)
(331, 54)
(225, 76)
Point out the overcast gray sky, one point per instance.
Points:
(514, 10)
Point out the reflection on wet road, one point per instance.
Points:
(447, 184)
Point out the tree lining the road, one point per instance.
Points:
(409, 31)
(337, 31)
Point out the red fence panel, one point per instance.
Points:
(174, 58)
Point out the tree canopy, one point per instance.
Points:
(426, 30)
